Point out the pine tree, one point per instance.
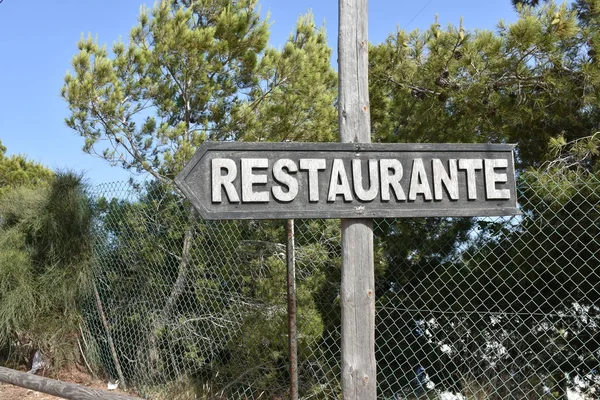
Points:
(150, 104)
(17, 170)
(195, 71)
(297, 100)
(535, 83)
(531, 81)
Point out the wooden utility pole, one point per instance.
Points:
(358, 280)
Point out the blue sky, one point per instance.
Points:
(37, 42)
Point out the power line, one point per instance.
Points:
(417, 14)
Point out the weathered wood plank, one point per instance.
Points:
(358, 281)
(57, 388)
(297, 180)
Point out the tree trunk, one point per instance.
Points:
(182, 278)
(183, 272)
(111, 343)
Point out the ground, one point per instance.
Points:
(9, 392)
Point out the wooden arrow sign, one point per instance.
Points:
(237, 180)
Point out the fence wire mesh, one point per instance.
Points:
(467, 308)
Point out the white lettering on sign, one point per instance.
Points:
(338, 184)
(220, 181)
(261, 180)
(418, 181)
(471, 165)
(440, 176)
(286, 179)
(361, 193)
(391, 181)
(313, 166)
(491, 178)
(249, 179)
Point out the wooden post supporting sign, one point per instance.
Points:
(358, 280)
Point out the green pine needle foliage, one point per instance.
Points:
(17, 170)
(525, 83)
(45, 248)
(197, 71)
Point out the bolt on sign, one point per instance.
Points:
(237, 180)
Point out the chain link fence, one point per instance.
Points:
(467, 308)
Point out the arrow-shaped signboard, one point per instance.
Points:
(239, 180)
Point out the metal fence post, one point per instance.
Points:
(291, 300)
